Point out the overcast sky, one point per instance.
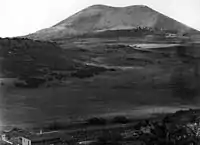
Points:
(20, 17)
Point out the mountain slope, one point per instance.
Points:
(100, 18)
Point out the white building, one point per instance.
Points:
(3, 137)
(48, 138)
(26, 141)
(8, 81)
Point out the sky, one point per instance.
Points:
(21, 17)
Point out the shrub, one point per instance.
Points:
(96, 121)
(120, 119)
(55, 126)
(109, 138)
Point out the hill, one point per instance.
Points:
(101, 18)
(41, 61)
(26, 57)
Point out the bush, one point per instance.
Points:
(88, 71)
(55, 126)
(120, 119)
(109, 138)
(96, 121)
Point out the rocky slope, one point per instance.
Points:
(98, 18)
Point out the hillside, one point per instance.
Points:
(26, 57)
(101, 18)
(38, 61)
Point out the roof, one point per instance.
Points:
(15, 132)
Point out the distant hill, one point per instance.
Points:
(101, 18)
(24, 57)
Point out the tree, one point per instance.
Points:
(96, 121)
(108, 137)
(181, 86)
(181, 51)
(120, 119)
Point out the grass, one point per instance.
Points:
(105, 94)
(83, 99)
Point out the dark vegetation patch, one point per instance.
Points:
(171, 129)
(184, 86)
(27, 57)
(178, 128)
(120, 120)
(90, 122)
(89, 71)
(139, 61)
(31, 83)
(125, 86)
(96, 121)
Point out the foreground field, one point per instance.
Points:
(141, 83)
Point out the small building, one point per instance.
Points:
(171, 35)
(25, 141)
(8, 81)
(13, 136)
(3, 137)
(51, 138)
(12, 141)
(13, 133)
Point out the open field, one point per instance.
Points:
(152, 83)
